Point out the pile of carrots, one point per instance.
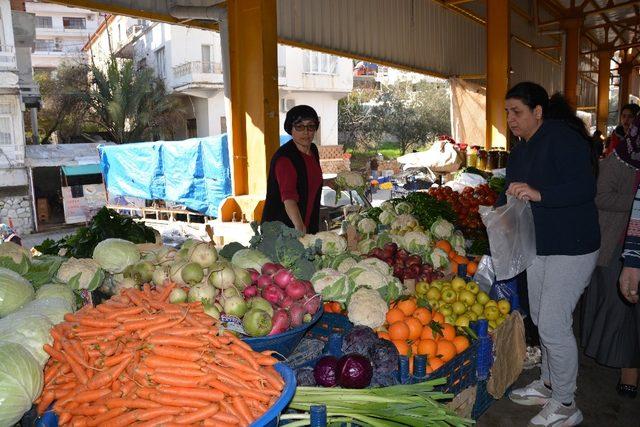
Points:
(139, 360)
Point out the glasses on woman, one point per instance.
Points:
(311, 128)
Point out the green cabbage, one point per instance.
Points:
(56, 290)
(14, 257)
(249, 258)
(29, 330)
(53, 308)
(114, 255)
(14, 292)
(21, 381)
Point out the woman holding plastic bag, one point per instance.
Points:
(553, 168)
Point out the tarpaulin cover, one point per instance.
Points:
(194, 172)
(81, 170)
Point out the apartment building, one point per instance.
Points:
(61, 32)
(190, 62)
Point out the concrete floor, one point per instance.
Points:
(596, 397)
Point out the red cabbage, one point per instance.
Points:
(325, 372)
(354, 371)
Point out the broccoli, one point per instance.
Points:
(230, 249)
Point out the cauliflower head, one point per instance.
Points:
(417, 242)
(442, 229)
(83, 273)
(367, 308)
(332, 244)
(332, 285)
(367, 226)
(350, 180)
(386, 217)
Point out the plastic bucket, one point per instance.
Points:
(272, 416)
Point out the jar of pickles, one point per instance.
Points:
(472, 157)
(482, 160)
(492, 159)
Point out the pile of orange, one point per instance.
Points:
(455, 259)
(418, 331)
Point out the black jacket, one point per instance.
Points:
(274, 207)
(556, 162)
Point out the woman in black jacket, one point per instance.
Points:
(554, 167)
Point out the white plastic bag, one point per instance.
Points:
(512, 237)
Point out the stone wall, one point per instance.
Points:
(18, 208)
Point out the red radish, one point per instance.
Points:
(286, 302)
(254, 274)
(263, 281)
(311, 305)
(273, 294)
(296, 289)
(283, 278)
(250, 292)
(296, 313)
(308, 287)
(280, 321)
(402, 254)
(270, 268)
(415, 269)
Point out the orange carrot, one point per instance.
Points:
(158, 361)
(114, 360)
(166, 291)
(91, 395)
(97, 323)
(45, 401)
(180, 371)
(174, 380)
(253, 394)
(90, 410)
(241, 407)
(101, 420)
(161, 420)
(116, 314)
(222, 387)
(177, 353)
(199, 415)
(245, 354)
(64, 418)
(104, 378)
(199, 393)
(171, 400)
(77, 369)
(130, 403)
(149, 414)
(124, 420)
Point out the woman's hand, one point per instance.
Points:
(629, 278)
(524, 191)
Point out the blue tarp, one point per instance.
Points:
(81, 170)
(194, 172)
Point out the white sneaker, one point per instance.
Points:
(556, 414)
(535, 393)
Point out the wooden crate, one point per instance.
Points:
(42, 210)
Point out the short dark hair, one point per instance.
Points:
(297, 114)
(634, 108)
(531, 94)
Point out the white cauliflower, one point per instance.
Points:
(439, 258)
(375, 264)
(332, 244)
(442, 229)
(417, 242)
(350, 180)
(386, 217)
(332, 285)
(404, 222)
(367, 226)
(367, 308)
(83, 273)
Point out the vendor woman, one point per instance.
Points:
(295, 177)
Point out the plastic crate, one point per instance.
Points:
(285, 342)
(483, 400)
(328, 324)
(459, 371)
(268, 419)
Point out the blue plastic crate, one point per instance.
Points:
(483, 400)
(329, 323)
(268, 419)
(286, 342)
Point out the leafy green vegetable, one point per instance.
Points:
(105, 225)
(43, 269)
(21, 381)
(497, 183)
(373, 213)
(427, 209)
(230, 249)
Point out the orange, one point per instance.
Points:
(423, 315)
(448, 331)
(461, 343)
(415, 327)
(435, 363)
(384, 335)
(452, 254)
(427, 348)
(446, 350)
(437, 317)
(444, 245)
(472, 267)
(399, 331)
(414, 348)
(459, 259)
(402, 346)
(408, 306)
(395, 315)
(453, 267)
(429, 334)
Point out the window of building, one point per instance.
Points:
(6, 124)
(74, 23)
(160, 62)
(319, 63)
(207, 58)
(44, 22)
(44, 45)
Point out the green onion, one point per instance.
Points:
(401, 405)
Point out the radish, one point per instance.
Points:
(296, 289)
(308, 286)
(311, 305)
(250, 292)
(296, 313)
(270, 268)
(283, 278)
(263, 281)
(286, 302)
(273, 294)
(280, 321)
(254, 274)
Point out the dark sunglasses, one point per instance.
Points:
(310, 128)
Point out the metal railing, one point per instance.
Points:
(7, 56)
(197, 67)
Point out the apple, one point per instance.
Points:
(472, 316)
(439, 284)
(491, 303)
(450, 319)
(433, 294)
(458, 307)
(462, 321)
(467, 297)
(492, 324)
(448, 295)
(500, 320)
(477, 308)
(446, 309)
(458, 284)
(422, 287)
(482, 297)
(473, 288)
(504, 306)
(491, 313)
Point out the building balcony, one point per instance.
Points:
(57, 49)
(197, 74)
(8, 58)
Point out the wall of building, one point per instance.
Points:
(325, 104)
(15, 205)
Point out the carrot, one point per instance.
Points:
(245, 354)
(55, 354)
(45, 401)
(135, 297)
(114, 360)
(91, 395)
(130, 403)
(162, 420)
(124, 420)
(64, 418)
(199, 415)
(79, 422)
(116, 314)
(70, 317)
(222, 387)
(199, 393)
(165, 339)
(159, 327)
(253, 394)
(104, 378)
(51, 373)
(97, 323)
(91, 410)
(188, 330)
(158, 361)
(166, 291)
(243, 410)
(135, 325)
(171, 400)
(101, 420)
(77, 369)
(215, 421)
(174, 380)
(93, 332)
(180, 371)
(177, 353)
(266, 360)
(235, 364)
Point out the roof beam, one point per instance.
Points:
(610, 7)
(614, 48)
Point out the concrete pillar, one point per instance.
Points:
(604, 73)
(572, 55)
(498, 52)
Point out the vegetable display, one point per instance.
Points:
(21, 381)
(15, 291)
(139, 358)
(14, 257)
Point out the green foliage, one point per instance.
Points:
(105, 225)
(131, 104)
(356, 126)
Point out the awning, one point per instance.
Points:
(81, 170)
